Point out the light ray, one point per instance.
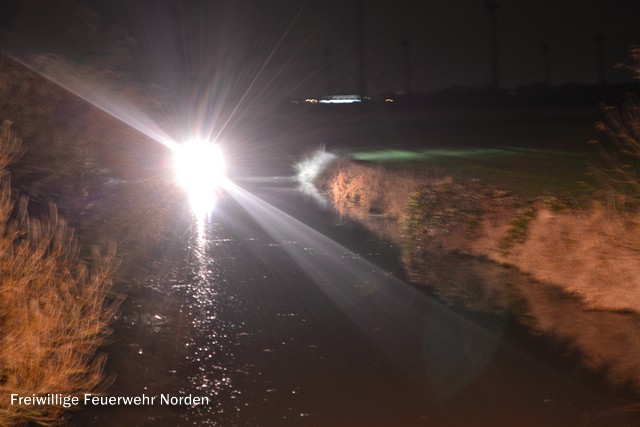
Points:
(261, 70)
(455, 350)
(83, 86)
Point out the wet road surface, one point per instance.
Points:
(281, 326)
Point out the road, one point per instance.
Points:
(286, 315)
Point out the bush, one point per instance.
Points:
(620, 176)
(55, 309)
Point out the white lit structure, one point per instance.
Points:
(341, 99)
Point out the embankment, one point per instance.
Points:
(590, 252)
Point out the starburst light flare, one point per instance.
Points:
(200, 170)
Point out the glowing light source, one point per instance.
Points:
(200, 170)
(308, 171)
(341, 99)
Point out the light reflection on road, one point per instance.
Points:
(210, 337)
(285, 327)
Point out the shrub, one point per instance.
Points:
(620, 175)
(55, 309)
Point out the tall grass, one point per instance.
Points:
(55, 309)
(620, 177)
(591, 252)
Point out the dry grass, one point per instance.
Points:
(55, 310)
(593, 252)
(619, 178)
(361, 191)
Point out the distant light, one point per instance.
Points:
(341, 99)
(389, 100)
(200, 170)
(311, 101)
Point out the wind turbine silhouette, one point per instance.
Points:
(492, 7)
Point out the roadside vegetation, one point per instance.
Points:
(59, 294)
(61, 157)
(619, 177)
(565, 217)
(55, 308)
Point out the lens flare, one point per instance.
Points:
(200, 170)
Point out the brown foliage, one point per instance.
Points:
(55, 309)
(620, 177)
(592, 253)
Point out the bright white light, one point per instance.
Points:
(308, 171)
(341, 99)
(200, 170)
(312, 166)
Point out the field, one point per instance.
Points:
(529, 150)
(527, 172)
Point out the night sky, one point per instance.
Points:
(280, 48)
(449, 40)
